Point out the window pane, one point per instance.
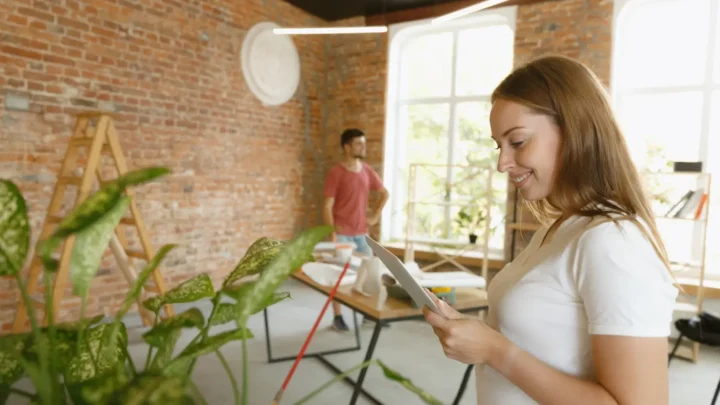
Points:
(663, 43)
(485, 56)
(653, 141)
(475, 150)
(426, 66)
(426, 142)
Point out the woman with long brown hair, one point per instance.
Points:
(582, 315)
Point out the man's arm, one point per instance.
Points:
(384, 196)
(328, 214)
(377, 184)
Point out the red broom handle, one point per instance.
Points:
(310, 336)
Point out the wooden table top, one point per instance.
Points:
(466, 299)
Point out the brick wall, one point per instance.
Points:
(170, 71)
(579, 29)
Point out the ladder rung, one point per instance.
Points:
(81, 142)
(139, 254)
(74, 180)
(127, 221)
(87, 142)
(152, 288)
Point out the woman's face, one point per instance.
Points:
(529, 144)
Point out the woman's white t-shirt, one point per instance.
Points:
(590, 278)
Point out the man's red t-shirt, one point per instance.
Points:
(351, 190)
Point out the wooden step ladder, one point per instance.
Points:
(94, 131)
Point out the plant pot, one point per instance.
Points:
(473, 238)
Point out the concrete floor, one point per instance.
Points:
(410, 347)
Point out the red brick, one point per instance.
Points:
(68, 22)
(36, 14)
(38, 25)
(17, 19)
(58, 59)
(35, 86)
(20, 52)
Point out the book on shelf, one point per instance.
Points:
(690, 206)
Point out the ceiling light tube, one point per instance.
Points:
(467, 10)
(330, 30)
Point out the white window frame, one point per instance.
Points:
(707, 87)
(394, 156)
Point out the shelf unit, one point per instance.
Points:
(458, 247)
(687, 270)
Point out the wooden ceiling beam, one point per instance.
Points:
(435, 10)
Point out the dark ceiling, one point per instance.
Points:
(332, 10)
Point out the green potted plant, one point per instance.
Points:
(87, 362)
(469, 219)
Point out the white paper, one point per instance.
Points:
(327, 274)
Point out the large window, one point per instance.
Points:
(666, 87)
(440, 81)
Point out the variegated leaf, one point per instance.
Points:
(165, 351)
(142, 278)
(180, 364)
(14, 229)
(11, 347)
(238, 290)
(192, 318)
(90, 210)
(64, 346)
(225, 312)
(93, 349)
(90, 245)
(95, 206)
(149, 389)
(98, 390)
(135, 177)
(257, 257)
(191, 290)
(292, 256)
(405, 382)
(153, 304)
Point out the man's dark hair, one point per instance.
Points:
(348, 135)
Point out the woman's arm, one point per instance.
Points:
(629, 371)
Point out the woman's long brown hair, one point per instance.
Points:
(596, 175)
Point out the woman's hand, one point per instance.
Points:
(465, 339)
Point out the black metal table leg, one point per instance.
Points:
(463, 385)
(267, 335)
(368, 356)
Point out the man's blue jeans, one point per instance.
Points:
(359, 241)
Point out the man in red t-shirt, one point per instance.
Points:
(347, 189)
